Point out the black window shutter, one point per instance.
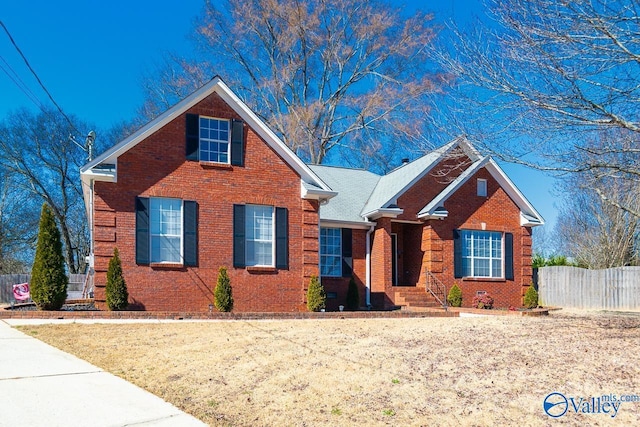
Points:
(237, 142)
(193, 136)
(347, 255)
(508, 256)
(457, 254)
(238, 235)
(282, 238)
(190, 223)
(142, 231)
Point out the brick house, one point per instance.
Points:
(208, 184)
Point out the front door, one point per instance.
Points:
(394, 258)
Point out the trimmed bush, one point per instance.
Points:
(116, 289)
(531, 297)
(353, 297)
(316, 298)
(454, 299)
(483, 301)
(222, 293)
(48, 278)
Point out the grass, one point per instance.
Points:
(434, 371)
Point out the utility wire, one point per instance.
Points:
(15, 78)
(38, 78)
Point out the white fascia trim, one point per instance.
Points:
(97, 175)
(313, 194)
(383, 213)
(436, 215)
(469, 149)
(431, 209)
(254, 122)
(145, 131)
(425, 171)
(218, 86)
(330, 223)
(529, 221)
(512, 191)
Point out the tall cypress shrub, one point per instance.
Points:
(48, 277)
(222, 293)
(116, 289)
(316, 298)
(353, 297)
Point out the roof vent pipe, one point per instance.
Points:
(405, 161)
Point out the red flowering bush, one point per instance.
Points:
(483, 301)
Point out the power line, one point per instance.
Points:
(38, 78)
(15, 78)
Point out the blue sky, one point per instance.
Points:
(92, 54)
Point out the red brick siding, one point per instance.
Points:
(499, 213)
(430, 246)
(429, 186)
(156, 167)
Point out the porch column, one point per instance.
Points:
(382, 293)
(433, 258)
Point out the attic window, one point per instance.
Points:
(482, 187)
(214, 140)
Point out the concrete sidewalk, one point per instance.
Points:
(43, 386)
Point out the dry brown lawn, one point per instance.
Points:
(431, 371)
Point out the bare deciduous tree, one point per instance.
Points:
(325, 75)
(560, 82)
(594, 232)
(42, 164)
(17, 228)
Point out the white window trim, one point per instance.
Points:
(331, 255)
(490, 258)
(482, 185)
(273, 236)
(200, 139)
(152, 235)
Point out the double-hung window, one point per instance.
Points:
(166, 230)
(482, 253)
(331, 252)
(214, 140)
(260, 236)
(259, 232)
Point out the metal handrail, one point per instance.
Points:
(87, 288)
(437, 289)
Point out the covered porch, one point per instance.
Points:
(406, 258)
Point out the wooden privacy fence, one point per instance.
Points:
(572, 287)
(74, 289)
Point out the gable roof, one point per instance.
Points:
(363, 196)
(435, 207)
(398, 181)
(528, 214)
(93, 170)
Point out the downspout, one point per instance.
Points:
(368, 269)
(91, 226)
